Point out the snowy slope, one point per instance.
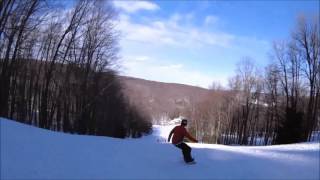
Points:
(32, 153)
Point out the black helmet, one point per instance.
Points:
(184, 122)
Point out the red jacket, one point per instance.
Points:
(179, 132)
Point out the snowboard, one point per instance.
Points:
(192, 162)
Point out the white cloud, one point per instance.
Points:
(210, 20)
(134, 6)
(142, 58)
(172, 66)
(137, 58)
(151, 49)
(155, 69)
(172, 32)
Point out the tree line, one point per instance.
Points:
(280, 104)
(56, 69)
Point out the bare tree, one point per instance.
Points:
(307, 44)
(272, 78)
(56, 71)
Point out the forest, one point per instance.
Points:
(56, 69)
(277, 104)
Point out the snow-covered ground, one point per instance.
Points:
(32, 153)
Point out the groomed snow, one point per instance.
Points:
(32, 153)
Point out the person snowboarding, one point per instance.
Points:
(179, 132)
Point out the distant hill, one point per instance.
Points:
(159, 98)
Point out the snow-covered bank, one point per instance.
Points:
(32, 153)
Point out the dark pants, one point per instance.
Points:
(186, 151)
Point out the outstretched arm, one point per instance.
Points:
(170, 135)
(190, 137)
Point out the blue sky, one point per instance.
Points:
(198, 42)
